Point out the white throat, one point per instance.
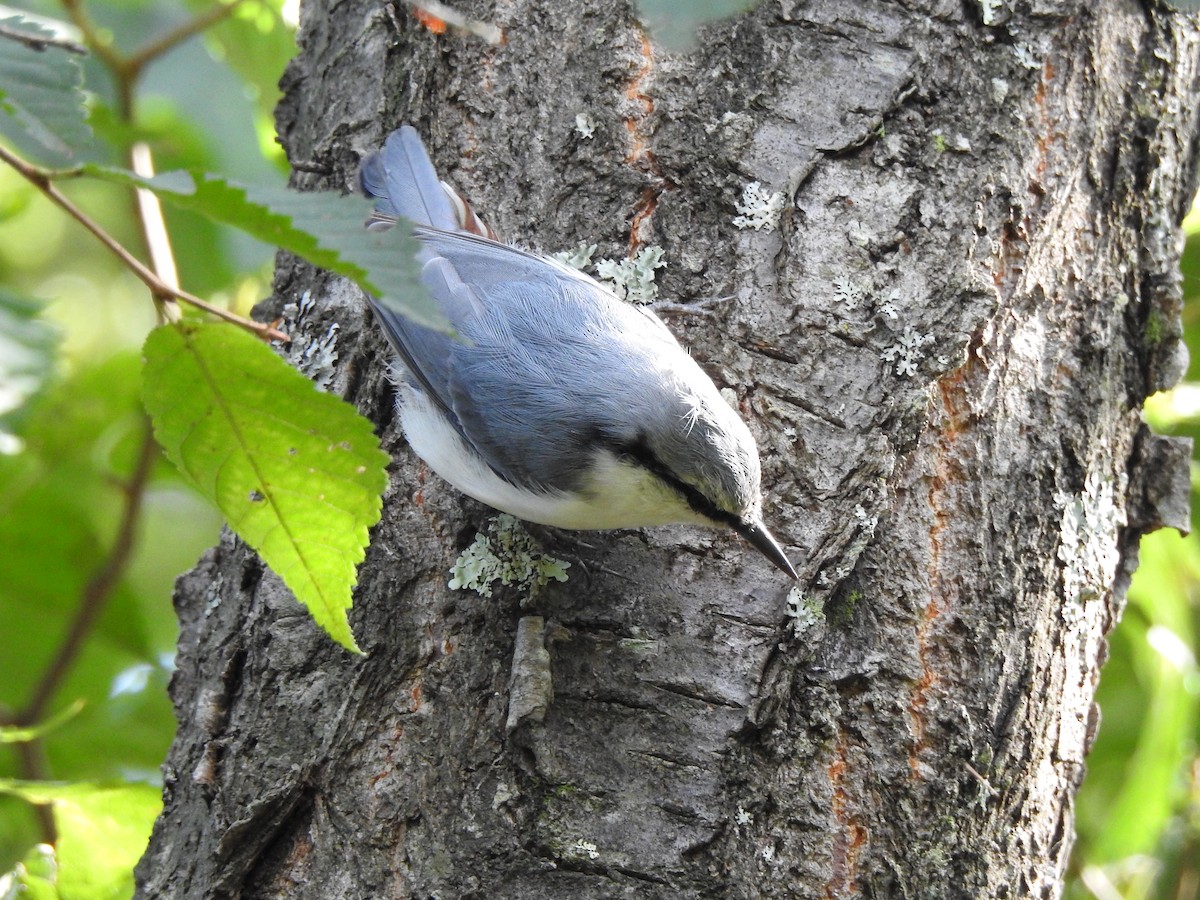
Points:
(617, 494)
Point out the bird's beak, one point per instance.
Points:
(757, 535)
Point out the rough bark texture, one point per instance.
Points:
(993, 194)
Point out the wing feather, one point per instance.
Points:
(529, 379)
(403, 180)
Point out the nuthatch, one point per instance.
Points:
(553, 400)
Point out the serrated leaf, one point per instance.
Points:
(323, 227)
(40, 89)
(102, 829)
(297, 473)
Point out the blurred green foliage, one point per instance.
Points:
(1138, 813)
(101, 830)
(77, 424)
(72, 444)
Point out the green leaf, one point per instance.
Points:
(40, 89)
(60, 500)
(674, 24)
(102, 829)
(27, 344)
(297, 473)
(323, 227)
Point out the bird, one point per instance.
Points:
(548, 397)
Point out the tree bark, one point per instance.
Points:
(942, 351)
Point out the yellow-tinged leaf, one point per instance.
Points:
(102, 832)
(297, 473)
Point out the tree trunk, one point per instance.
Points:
(942, 351)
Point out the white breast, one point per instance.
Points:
(617, 494)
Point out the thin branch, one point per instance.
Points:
(31, 756)
(92, 38)
(158, 288)
(100, 586)
(154, 228)
(133, 64)
(32, 766)
(127, 69)
(40, 42)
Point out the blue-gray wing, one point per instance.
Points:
(402, 179)
(547, 364)
(544, 365)
(552, 366)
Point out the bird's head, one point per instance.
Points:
(703, 450)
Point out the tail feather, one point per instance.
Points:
(403, 180)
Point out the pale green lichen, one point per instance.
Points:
(908, 351)
(989, 10)
(580, 257)
(632, 279)
(585, 125)
(759, 208)
(1025, 55)
(1088, 548)
(585, 848)
(507, 553)
(313, 355)
(803, 612)
(848, 293)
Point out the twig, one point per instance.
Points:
(158, 288)
(127, 69)
(31, 756)
(40, 42)
(133, 64)
(100, 586)
(91, 34)
(154, 228)
(983, 782)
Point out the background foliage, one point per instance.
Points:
(72, 320)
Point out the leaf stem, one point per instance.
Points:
(154, 228)
(159, 289)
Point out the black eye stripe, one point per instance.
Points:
(641, 454)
